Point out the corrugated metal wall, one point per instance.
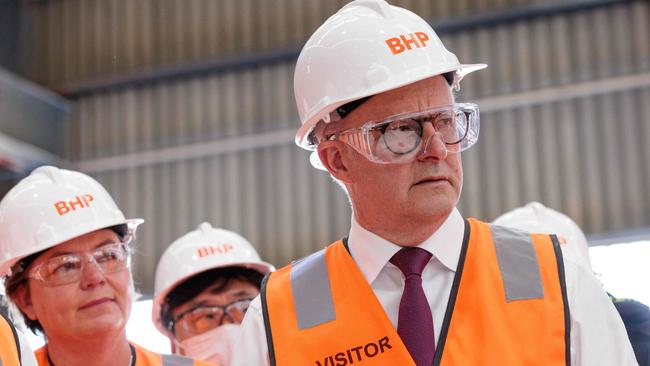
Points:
(90, 38)
(566, 116)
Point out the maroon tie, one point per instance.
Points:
(415, 323)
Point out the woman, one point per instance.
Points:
(66, 254)
(205, 281)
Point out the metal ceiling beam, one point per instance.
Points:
(18, 158)
(286, 136)
(617, 237)
(30, 126)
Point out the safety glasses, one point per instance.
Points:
(402, 138)
(204, 318)
(68, 268)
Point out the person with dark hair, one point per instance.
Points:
(66, 254)
(636, 317)
(205, 281)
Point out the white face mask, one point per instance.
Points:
(214, 346)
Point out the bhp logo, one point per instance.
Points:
(407, 42)
(79, 202)
(213, 250)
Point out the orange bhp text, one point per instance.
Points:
(407, 42)
(212, 250)
(64, 207)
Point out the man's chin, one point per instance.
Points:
(432, 212)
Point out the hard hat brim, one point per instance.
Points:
(308, 125)
(132, 224)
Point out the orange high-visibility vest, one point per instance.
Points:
(9, 343)
(507, 307)
(143, 357)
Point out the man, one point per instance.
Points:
(205, 281)
(414, 283)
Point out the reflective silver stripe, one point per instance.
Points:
(174, 360)
(312, 295)
(518, 264)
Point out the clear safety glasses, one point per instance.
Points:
(68, 268)
(204, 318)
(401, 138)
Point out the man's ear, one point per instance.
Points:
(23, 300)
(331, 155)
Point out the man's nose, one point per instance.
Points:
(434, 147)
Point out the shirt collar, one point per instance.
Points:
(371, 252)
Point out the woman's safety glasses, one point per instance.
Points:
(68, 268)
(204, 318)
(402, 138)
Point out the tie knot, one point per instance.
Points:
(411, 260)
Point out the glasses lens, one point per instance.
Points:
(402, 136)
(444, 124)
(60, 270)
(237, 310)
(112, 258)
(452, 127)
(202, 319)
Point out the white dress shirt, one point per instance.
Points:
(598, 335)
(27, 357)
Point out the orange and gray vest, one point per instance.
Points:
(507, 306)
(9, 343)
(142, 357)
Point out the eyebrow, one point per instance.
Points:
(237, 293)
(60, 253)
(201, 303)
(195, 305)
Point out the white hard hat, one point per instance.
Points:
(52, 206)
(200, 250)
(537, 218)
(367, 47)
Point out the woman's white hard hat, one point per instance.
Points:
(52, 206)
